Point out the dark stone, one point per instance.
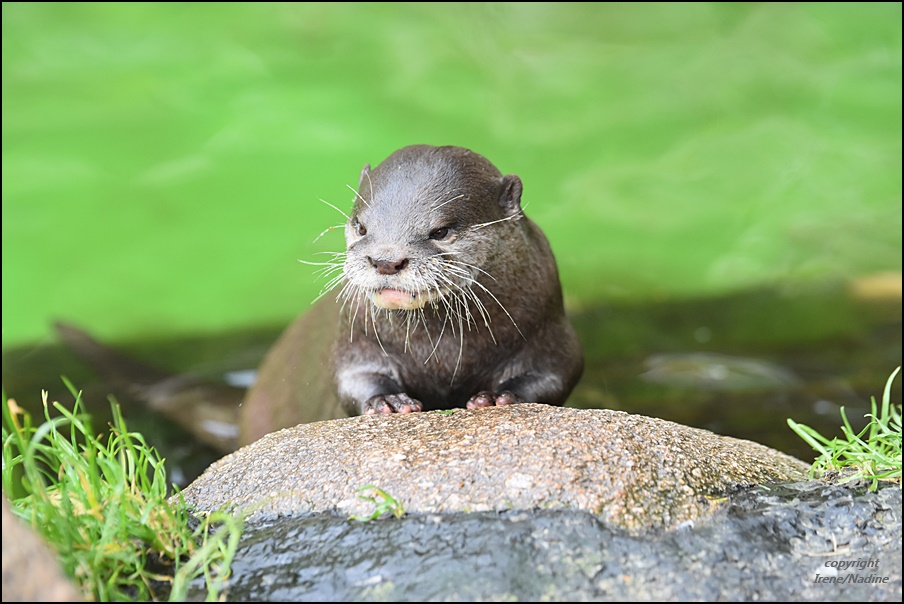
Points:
(761, 544)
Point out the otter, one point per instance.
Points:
(447, 295)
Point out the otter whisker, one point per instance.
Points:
(326, 253)
(328, 268)
(407, 345)
(483, 312)
(467, 292)
(459, 268)
(334, 280)
(435, 345)
(461, 349)
(410, 314)
(325, 267)
(459, 306)
(518, 329)
(373, 319)
(358, 195)
(453, 309)
(427, 282)
(327, 230)
(330, 284)
(347, 217)
(461, 299)
(459, 196)
(472, 266)
(470, 294)
(516, 216)
(353, 313)
(449, 310)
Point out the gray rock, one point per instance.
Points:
(634, 473)
(803, 541)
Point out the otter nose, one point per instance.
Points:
(388, 267)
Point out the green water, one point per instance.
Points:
(164, 166)
(163, 163)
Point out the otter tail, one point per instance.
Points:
(208, 410)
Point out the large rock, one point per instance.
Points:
(31, 570)
(804, 541)
(633, 472)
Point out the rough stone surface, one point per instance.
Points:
(633, 472)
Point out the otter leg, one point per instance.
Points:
(369, 392)
(485, 398)
(531, 387)
(390, 403)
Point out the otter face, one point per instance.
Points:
(416, 235)
(402, 255)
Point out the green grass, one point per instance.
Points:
(873, 454)
(383, 502)
(102, 503)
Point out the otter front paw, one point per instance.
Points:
(489, 399)
(390, 403)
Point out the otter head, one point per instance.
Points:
(419, 232)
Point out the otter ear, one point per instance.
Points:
(510, 199)
(365, 173)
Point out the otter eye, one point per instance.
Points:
(359, 228)
(440, 233)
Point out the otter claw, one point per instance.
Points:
(490, 399)
(391, 403)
